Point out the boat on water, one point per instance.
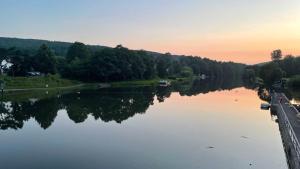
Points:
(164, 83)
(265, 106)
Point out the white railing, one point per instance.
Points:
(291, 131)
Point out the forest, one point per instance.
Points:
(104, 64)
(281, 67)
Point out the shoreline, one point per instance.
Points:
(100, 85)
(50, 88)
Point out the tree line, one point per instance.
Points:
(280, 67)
(84, 63)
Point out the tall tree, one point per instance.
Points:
(78, 50)
(45, 61)
(276, 55)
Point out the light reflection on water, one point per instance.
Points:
(141, 128)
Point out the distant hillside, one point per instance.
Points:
(31, 45)
(59, 48)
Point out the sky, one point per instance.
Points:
(243, 31)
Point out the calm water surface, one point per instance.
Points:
(139, 128)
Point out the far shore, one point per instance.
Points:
(14, 84)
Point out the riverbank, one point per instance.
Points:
(151, 82)
(55, 82)
(45, 82)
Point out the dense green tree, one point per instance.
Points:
(186, 72)
(288, 64)
(86, 63)
(271, 73)
(103, 65)
(77, 62)
(21, 63)
(274, 71)
(45, 61)
(163, 64)
(149, 65)
(249, 76)
(79, 51)
(3, 54)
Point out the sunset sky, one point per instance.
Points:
(229, 30)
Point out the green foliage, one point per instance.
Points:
(121, 64)
(294, 82)
(186, 72)
(290, 65)
(271, 73)
(116, 64)
(21, 63)
(274, 71)
(77, 51)
(44, 61)
(36, 82)
(249, 76)
(163, 65)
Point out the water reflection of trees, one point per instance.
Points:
(206, 86)
(108, 104)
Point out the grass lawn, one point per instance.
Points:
(51, 81)
(54, 81)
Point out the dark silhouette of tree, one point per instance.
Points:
(271, 73)
(95, 64)
(276, 55)
(44, 111)
(45, 61)
(163, 65)
(79, 51)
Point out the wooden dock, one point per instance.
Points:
(289, 125)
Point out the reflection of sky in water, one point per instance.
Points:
(223, 129)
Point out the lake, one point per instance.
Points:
(191, 126)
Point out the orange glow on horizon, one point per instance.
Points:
(250, 45)
(248, 52)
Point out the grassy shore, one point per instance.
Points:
(54, 81)
(151, 82)
(51, 81)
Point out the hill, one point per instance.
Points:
(32, 45)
